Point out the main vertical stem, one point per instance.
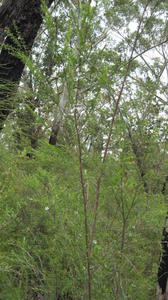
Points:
(84, 205)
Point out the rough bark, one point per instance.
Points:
(25, 15)
(162, 288)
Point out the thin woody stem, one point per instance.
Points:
(111, 129)
(84, 195)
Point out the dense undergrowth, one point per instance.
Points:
(42, 250)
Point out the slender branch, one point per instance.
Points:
(111, 129)
(150, 48)
(140, 82)
(84, 195)
(123, 218)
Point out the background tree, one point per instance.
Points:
(23, 20)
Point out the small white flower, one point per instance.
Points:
(94, 242)
(46, 208)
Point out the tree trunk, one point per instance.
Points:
(162, 288)
(23, 16)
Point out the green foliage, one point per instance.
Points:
(42, 234)
(43, 250)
